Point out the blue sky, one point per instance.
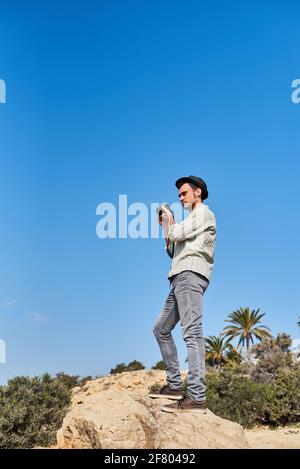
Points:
(112, 97)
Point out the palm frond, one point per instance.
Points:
(244, 324)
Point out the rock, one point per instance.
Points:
(114, 412)
(267, 438)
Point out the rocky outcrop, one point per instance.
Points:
(267, 438)
(114, 412)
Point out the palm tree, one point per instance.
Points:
(233, 355)
(244, 325)
(216, 348)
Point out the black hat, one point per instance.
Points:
(196, 181)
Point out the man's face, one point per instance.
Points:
(187, 195)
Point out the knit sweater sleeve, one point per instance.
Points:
(192, 226)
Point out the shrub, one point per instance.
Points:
(272, 356)
(135, 366)
(159, 366)
(132, 366)
(155, 387)
(236, 397)
(248, 402)
(32, 410)
(72, 380)
(119, 368)
(283, 402)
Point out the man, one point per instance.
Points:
(192, 244)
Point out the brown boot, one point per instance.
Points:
(168, 393)
(186, 405)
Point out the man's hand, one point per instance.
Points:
(165, 216)
(166, 221)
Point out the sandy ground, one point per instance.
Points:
(282, 438)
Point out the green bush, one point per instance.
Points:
(132, 366)
(283, 402)
(241, 399)
(119, 368)
(159, 366)
(236, 397)
(32, 409)
(135, 365)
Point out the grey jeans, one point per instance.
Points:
(185, 304)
